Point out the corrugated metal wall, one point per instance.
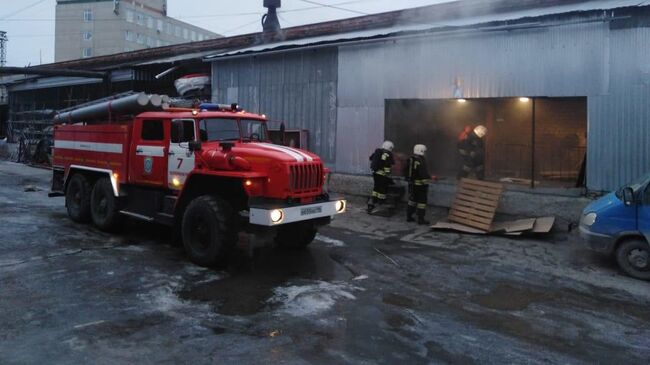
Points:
(339, 96)
(298, 88)
(568, 60)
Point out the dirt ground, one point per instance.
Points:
(370, 290)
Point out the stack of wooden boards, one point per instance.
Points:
(475, 206)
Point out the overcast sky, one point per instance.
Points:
(30, 23)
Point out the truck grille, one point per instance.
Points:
(306, 177)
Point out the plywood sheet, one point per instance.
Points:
(519, 225)
(543, 225)
(457, 227)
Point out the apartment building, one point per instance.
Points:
(89, 28)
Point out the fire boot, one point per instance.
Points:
(421, 220)
(410, 210)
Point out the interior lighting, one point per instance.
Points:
(524, 100)
(462, 101)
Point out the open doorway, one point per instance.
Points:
(541, 139)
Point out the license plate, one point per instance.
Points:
(311, 210)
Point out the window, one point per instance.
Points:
(169, 28)
(200, 37)
(129, 36)
(186, 33)
(219, 129)
(159, 26)
(88, 15)
(152, 130)
(150, 22)
(177, 31)
(159, 43)
(141, 39)
(254, 130)
(150, 42)
(88, 36)
(87, 52)
(129, 16)
(193, 36)
(182, 131)
(139, 18)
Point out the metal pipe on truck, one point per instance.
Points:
(132, 104)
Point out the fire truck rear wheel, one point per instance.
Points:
(296, 235)
(77, 198)
(208, 230)
(104, 206)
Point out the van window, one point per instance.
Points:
(182, 131)
(152, 130)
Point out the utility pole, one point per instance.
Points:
(3, 48)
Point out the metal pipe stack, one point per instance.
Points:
(132, 104)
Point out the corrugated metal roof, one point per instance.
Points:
(430, 26)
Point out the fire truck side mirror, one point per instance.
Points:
(194, 145)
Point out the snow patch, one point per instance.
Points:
(307, 300)
(330, 241)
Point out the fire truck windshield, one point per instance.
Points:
(224, 129)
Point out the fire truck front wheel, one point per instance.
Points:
(77, 198)
(207, 230)
(104, 206)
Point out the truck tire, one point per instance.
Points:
(633, 257)
(296, 235)
(77, 198)
(208, 230)
(104, 207)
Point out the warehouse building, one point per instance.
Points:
(581, 66)
(560, 85)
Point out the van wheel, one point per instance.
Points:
(104, 206)
(296, 235)
(208, 230)
(77, 198)
(633, 258)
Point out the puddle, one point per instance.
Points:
(510, 298)
(251, 282)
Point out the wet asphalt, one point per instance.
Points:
(370, 290)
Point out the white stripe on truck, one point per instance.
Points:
(296, 156)
(89, 146)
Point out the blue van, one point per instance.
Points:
(618, 224)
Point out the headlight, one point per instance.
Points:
(340, 206)
(277, 215)
(589, 219)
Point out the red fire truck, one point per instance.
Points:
(208, 172)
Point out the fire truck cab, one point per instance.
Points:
(208, 172)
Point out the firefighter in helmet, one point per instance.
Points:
(418, 178)
(381, 162)
(471, 149)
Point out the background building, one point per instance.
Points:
(89, 28)
(553, 81)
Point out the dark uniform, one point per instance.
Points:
(418, 179)
(381, 176)
(472, 153)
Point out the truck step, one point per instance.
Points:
(136, 215)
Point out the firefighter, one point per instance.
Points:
(418, 178)
(472, 153)
(381, 162)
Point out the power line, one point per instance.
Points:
(334, 7)
(4, 17)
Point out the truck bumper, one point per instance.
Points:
(273, 216)
(601, 243)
